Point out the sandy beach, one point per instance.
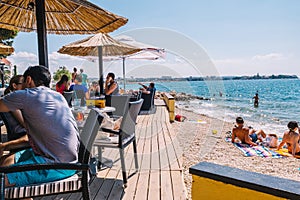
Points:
(202, 138)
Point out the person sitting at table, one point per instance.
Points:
(148, 89)
(111, 88)
(62, 85)
(94, 89)
(51, 128)
(80, 91)
(14, 118)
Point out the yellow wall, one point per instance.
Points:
(205, 188)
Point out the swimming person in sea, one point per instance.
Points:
(291, 138)
(256, 98)
(245, 134)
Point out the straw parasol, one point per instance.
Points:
(5, 49)
(148, 52)
(142, 55)
(98, 45)
(56, 16)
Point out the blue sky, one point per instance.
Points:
(241, 37)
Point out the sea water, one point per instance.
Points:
(279, 100)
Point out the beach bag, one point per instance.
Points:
(180, 118)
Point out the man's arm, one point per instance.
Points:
(249, 141)
(3, 107)
(233, 136)
(19, 117)
(144, 86)
(14, 144)
(111, 89)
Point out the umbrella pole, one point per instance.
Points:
(101, 83)
(41, 32)
(124, 79)
(2, 74)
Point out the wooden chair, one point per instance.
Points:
(125, 136)
(77, 183)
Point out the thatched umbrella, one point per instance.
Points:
(56, 16)
(5, 49)
(148, 52)
(98, 45)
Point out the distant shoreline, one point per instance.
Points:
(208, 78)
(212, 78)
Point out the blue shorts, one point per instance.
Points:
(253, 136)
(27, 156)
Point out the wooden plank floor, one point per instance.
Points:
(159, 175)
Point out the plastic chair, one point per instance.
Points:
(125, 136)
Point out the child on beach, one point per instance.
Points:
(245, 134)
(271, 141)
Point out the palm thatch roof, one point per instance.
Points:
(89, 47)
(62, 17)
(5, 49)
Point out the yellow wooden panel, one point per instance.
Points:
(205, 188)
(171, 105)
(172, 116)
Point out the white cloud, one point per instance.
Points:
(24, 55)
(228, 61)
(267, 57)
(54, 56)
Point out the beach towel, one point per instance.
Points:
(255, 150)
(199, 121)
(284, 152)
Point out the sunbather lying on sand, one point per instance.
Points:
(245, 134)
(291, 138)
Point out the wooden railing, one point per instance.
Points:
(170, 102)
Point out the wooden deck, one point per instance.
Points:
(160, 174)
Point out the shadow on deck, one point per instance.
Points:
(160, 174)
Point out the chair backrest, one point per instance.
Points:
(6, 123)
(148, 101)
(79, 94)
(120, 102)
(89, 133)
(129, 120)
(14, 129)
(68, 96)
